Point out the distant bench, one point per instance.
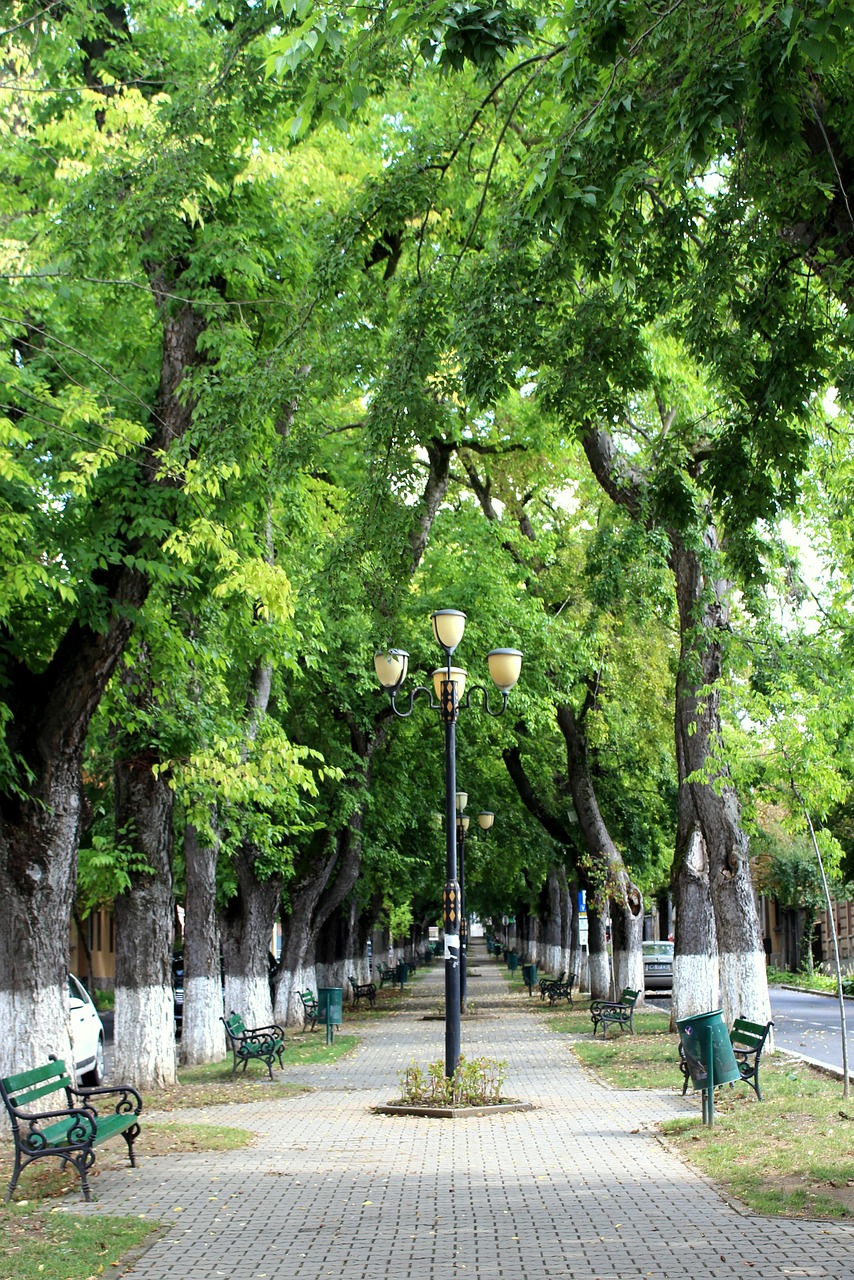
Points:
(363, 991)
(309, 1008)
(253, 1044)
(615, 1013)
(560, 988)
(70, 1133)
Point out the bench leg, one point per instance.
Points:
(130, 1136)
(15, 1175)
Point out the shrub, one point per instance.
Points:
(474, 1084)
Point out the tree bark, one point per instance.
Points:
(202, 1033)
(712, 882)
(553, 956)
(607, 873)
(246, 928)
(41, 822)
(145, 1014)
(718, 938)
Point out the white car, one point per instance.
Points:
(658, 966)
(87, 1035)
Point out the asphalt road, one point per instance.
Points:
(809, 1025)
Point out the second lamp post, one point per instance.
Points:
(449, 685)
(485, 819)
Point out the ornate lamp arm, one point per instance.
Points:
(421, 688)
(484, 695)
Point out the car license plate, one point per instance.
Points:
(658, 966)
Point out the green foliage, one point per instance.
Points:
(786, 868)
(475, 1083)
(107, 868)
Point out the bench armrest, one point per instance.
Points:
(273, 1029)
(128, 1097)
(598, 1006)
(260, 1036)
(82, 1125)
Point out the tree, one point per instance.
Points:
(146, 127)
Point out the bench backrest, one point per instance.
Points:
(26, 1087)
(628, 996)
(749, 1035)
(234, 1025)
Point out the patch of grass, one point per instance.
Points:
(38, 1243)
(647, 1060)
(814, 981)
(163, 1138)
(792, 1154)
(213, 1082)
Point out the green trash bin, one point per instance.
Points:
(512, 961)
(708, 1055)
(694, 1034)
(402, 972)
(330, 1009)
(529, 975)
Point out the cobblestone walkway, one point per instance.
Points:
(578, 1188)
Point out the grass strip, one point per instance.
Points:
(791, 1155)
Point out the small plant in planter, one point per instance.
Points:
(474, 1084)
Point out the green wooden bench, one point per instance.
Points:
(309, 1008)
(253, 1044)
(363, 991)
(546, 980)
(386, 974)
(615, 1013)
(69, 1133)
(748, 1040)
(560, 988)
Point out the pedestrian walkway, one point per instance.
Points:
(577, 1188)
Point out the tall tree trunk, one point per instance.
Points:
(553, 961)
(319, 888)
(607, 872)
(597, 949)
(202, 1034)
(145, 1013)
(41, 823)
(317, 893)
(711, 868)
(570, 940)
(246, 927)
(718, 938)
(50, 714)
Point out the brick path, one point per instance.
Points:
(578, 1188)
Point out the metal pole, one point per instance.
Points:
(463, 921)
(451, 903)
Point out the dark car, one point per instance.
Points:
(658, 966)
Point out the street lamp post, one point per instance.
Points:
(463, 821)
(485, 820)
(447, 696)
